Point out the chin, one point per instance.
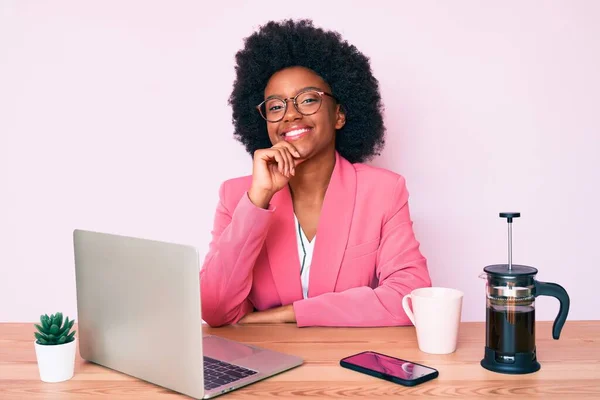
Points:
(304, 150)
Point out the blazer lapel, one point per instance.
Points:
(331, 240)
(282, 249)
(333, 228)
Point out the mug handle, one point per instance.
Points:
(407, 309)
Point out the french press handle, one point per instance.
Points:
(554, 290)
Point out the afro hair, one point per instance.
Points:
(278, 45)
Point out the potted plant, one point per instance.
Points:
(55, 348)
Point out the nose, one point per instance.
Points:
(291, 113)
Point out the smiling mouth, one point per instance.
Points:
(296, 133)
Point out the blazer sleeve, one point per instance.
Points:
(400, 268)
(226, 274)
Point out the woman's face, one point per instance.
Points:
(310, 134)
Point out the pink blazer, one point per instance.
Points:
(365, 259)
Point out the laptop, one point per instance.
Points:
(138, 306)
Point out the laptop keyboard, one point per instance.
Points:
(217, 373)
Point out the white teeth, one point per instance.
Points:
(296, 132)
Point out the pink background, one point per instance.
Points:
(114, 117)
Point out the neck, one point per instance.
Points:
(312, 178)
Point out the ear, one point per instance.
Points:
(340, 117)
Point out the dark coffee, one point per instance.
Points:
(511, 331)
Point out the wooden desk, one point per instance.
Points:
(570, 366)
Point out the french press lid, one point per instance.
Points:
(509, 271)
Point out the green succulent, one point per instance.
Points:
(53, 331)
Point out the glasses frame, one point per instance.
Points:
(321, 93)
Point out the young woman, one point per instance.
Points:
(313, 236)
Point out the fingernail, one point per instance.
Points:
(297, 154)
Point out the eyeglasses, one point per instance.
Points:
(306, 102)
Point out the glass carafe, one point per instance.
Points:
(510, 312)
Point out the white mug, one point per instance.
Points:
(435, 313)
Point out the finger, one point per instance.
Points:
(296, 157)
(280, 162)
(283, 152)
(292, 149)
(271, 157)
(265, 155)
(290, 159)
(288, 165)
(274, 157)
(293, 153)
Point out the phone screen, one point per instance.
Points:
(401, 369)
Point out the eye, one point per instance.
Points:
(274, 106)
(308, 98)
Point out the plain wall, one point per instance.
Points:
(114, 117)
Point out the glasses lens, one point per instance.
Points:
(273, 109)
(308, 102)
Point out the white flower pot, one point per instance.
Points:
(56, 363)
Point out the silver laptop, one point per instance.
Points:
(138, 307)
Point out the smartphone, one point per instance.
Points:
(392, 369)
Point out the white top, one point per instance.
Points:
(308, 249)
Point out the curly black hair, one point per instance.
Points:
(278, 45)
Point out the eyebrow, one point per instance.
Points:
(274, 96)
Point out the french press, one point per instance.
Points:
(510, 313)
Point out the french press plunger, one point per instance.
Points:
(510, 313)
